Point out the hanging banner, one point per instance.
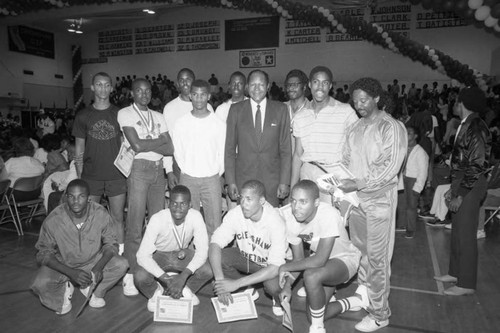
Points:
(258, 58)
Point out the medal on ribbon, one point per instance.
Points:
(180, 241)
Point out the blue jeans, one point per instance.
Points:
(146, 188)
(50, 285)
(169, 262)
(206, 190)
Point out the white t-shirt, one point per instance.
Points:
(199, 145)
(172, 112)
(223, 110)
(128, 117)
(262, 242)
(326, 223)
(22, 167)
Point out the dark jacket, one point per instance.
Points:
(470, 156)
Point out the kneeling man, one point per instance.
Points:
(77, 246)
(260, 235)
(334, 259)
(166, 264)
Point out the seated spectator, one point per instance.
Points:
(164, 249)
(77, 246)
(55, 160)
(56, 183)
(23, 165)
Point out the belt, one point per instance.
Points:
(319, 165)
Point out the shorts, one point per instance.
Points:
(110, 188)
(351, 260)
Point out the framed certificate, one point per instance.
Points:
(242, 308)
(173, 310)
(287, 316)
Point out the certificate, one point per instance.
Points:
(242, 308)
(331, 181)
(124, 159)
(174, 310)
(287, 316)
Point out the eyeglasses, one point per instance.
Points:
(293, 85)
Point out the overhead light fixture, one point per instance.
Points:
(149, 11)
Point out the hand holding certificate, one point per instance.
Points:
(287, 316)
(241, 308)
(330, 182)
(174, 310)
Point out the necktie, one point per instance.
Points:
(258, 123)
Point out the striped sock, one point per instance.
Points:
(349, 303)
(317, 316)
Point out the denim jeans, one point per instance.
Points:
(234, 264)
(407, 206)
(146, 188)
(169, 262)
(50, 285)
(206, 190)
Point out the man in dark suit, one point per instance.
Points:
(258, 143)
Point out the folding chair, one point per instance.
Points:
(26, 193)
(5, 205)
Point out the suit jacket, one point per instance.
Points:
(269, 160)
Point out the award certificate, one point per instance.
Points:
(174, 310)
(242, 308)
(287, 316)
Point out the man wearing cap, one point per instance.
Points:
(319, 130)
(469, 164)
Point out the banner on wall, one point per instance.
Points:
(252, 33)
(258, 58)
(31, 41)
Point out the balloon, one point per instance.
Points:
(495, 11)
(461, 6)
(436, 5)
(475, 4)
(482, 13)
(435, 58)
(490, 22)
(448, 5)
(414, 2)
(432, 52)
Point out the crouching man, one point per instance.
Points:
(259, 232)
(77, 246)
(166, 264)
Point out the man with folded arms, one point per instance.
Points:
(164, 252)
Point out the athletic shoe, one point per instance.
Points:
(369, 324)
(152, 301)
(277, 309)
(436, 223)
(302, 293)
(316, 329)
(68, 293)
(253, 292)
(129, 288)
(427, 216)
(446, 278)
(363, 292)
(188, 294)
(96, 302)
(481, 234)
(459, 291)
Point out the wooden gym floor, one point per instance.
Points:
(416, 301)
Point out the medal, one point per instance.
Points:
(180, 241)
(149, 122)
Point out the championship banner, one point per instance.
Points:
(258, 58)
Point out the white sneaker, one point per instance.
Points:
(277, 309)
(316, 329)
(303, 293)
(121, 249)
(129, 288)
(152, 301)
(369, 324)
(481, 234)
(363, 292)
(96, 302)
(188, 294)
(253, 292)
(68, 293)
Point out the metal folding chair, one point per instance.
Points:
(26, 193)
(5, 206)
